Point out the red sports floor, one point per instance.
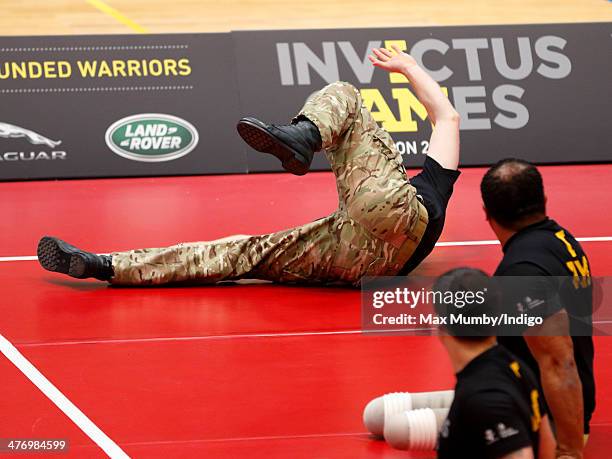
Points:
(241, 370)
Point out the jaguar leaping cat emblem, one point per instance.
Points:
(8, 131)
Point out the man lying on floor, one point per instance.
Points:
(386, 224)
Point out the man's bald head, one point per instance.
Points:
(513, 193)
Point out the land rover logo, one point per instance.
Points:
(152, 137)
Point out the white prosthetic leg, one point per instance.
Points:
(381, 409)
(415, 430)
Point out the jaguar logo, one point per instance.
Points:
(9, 131)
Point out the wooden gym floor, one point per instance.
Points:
(67, 17)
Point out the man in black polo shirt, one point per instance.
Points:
(498, 410)
(536, 246)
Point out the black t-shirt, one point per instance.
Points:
(434, 185)
(543, 250)
(497, 409)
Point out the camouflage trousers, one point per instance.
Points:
(378, 224)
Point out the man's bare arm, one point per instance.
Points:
(523, 453)
(444, 141)
(548, 445)
(560, 382)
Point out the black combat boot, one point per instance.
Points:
(293, 144)
(58, 256)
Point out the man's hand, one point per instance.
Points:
(399, 61)
(444, 141)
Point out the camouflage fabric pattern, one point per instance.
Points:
(378, 224)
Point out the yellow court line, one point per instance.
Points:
(117, 15)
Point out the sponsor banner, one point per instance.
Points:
(149, 105)
(99, 106)
(152, 137)
(501, 306)
(539, 92)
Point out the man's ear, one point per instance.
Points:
(487, 216)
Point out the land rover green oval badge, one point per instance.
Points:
(152, 137)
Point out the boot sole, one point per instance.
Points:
(56, 256)
(257, 137)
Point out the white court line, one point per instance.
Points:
(194, 338)
(239, 439)
(357, 331)
(438, 244)
(496, 242)
(465, 243)
(595, 239)
(60, 400)
(29, 258)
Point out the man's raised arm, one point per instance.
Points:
(444, 141)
